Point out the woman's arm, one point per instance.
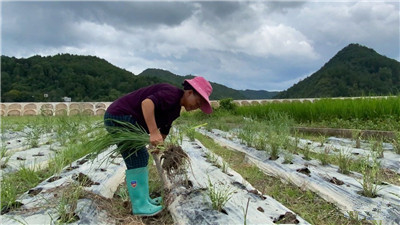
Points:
(148, 114)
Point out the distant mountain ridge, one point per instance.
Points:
(219, 91)
(258, 94)
(354, 71)
(84, 78)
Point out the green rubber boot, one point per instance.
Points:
(137, 181)
(154, 201)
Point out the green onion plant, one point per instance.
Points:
(288, 157)
(4, 155)
(274, 141)
(307, 152)
(324, 158)
(371, 180)
(219, 196)
(377, 147)
(344, 160)
(396, 143)
(68, 204)
(356, 135)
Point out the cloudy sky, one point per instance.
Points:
(255, 45)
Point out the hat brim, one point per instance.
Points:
(206, 107)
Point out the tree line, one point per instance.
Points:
(82, 78)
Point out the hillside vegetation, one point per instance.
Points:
(219, 91)
(85, 78)
(354, 71)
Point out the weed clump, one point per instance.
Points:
(227, 104)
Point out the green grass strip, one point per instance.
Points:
(328, 109)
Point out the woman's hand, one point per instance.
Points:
(156, 138)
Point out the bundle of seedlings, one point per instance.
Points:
(127, 136)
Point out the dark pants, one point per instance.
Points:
(135, 160)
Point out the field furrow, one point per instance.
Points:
(343, 190)
(100, 176)
(193, 205)
(389, 160)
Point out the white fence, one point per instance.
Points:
(99, 108)
(53, 108)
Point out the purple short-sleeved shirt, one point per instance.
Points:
(166, 99)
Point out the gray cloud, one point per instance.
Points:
(137, 14)
(51, 22)
(284, 7)
(244, 45)
(113, 13)
(373, 24)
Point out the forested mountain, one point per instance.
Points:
(82, 78)
(354, 71)
(219, 91)
(259, 94)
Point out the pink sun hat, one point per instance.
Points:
(203, 87)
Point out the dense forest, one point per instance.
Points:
(84, 78)
(354, 71)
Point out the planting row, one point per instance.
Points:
(197, 183)
(22, 152)
(207, 191)
(275, 138)
(349, 192)
(62, 198)
(35, 145)
(383, 152)
(219, 195)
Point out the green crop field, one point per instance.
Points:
(257, 142)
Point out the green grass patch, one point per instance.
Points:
(362, 109)
(362, 113)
